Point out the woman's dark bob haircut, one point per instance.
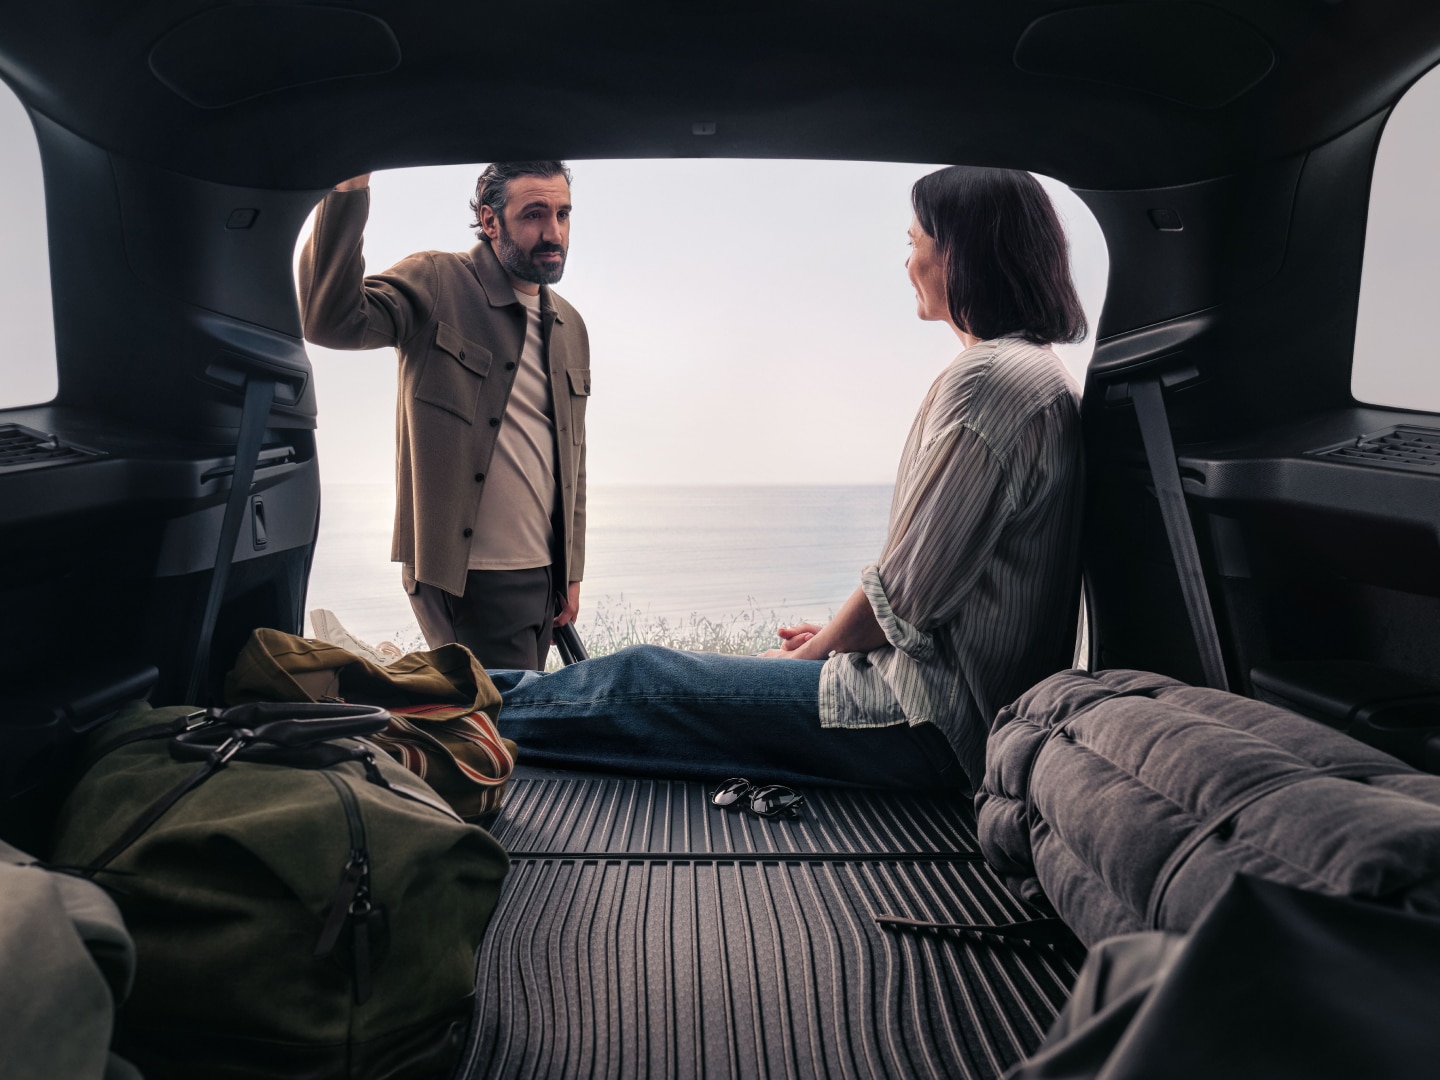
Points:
(1007, 266)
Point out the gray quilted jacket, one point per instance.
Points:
(1128, 800)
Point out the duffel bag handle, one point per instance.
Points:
(289, 724)
(298, 733)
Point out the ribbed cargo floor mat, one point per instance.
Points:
(643, 932)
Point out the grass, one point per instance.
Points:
(611, 624)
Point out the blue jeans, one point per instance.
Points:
(649, 711)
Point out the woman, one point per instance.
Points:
(974, 596)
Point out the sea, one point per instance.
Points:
(658, 556)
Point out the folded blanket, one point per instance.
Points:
(1129, 800)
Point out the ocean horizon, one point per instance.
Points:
(656, 555)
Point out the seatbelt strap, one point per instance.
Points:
(1160, 452)
(259, 393)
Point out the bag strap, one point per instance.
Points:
(411, 740)
(297, 725)
(1222, 822)
(1160, 453)
(567, 640)
(259, 393)
(294, 727)
(156, 810)
(149, 731)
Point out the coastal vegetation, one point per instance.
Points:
(612, 624)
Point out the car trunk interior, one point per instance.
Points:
(642, 930)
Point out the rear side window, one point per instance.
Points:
(1396, 360)
(27, 360)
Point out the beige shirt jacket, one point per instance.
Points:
(454, 319)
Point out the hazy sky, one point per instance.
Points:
(749, 321)
(1395, 355)
(27, 362)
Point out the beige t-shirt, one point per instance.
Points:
(513, 529)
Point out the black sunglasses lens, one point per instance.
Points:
(731, 791)
(774, 799)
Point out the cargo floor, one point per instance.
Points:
(642, 932)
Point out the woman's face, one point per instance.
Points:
(927, 274)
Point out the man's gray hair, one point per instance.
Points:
(492, 189)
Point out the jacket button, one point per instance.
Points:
(494, 421)
(510, 365)
(479, 476)
(469, 532)
(462, 354)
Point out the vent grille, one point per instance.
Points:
(1414, 449)
(24, 448)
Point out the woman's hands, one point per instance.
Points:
(854, 629)
(792, 640)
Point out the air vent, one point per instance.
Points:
(1415, 449)
(23, 448)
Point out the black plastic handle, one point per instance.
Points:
(290, 724)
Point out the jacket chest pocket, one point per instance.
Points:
(579, 394)
(454, 371)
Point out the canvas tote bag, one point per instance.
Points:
(442, 704)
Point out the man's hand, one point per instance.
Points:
(572, 606)
(355, 183)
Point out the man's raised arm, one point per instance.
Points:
(340, 307)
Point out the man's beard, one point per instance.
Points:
(522, 265)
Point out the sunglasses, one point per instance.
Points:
(767, 800)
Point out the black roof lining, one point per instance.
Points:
(919, 80)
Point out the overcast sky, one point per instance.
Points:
(1395, 354)
(749, 321)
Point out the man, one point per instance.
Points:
(490, 421)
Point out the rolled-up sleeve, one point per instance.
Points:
(904, 635)
(941, 536)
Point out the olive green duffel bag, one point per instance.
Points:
(302, 906)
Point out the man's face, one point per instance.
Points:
(532, 240)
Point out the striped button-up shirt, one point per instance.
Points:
(978, 585)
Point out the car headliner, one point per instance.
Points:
(1100, 95)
